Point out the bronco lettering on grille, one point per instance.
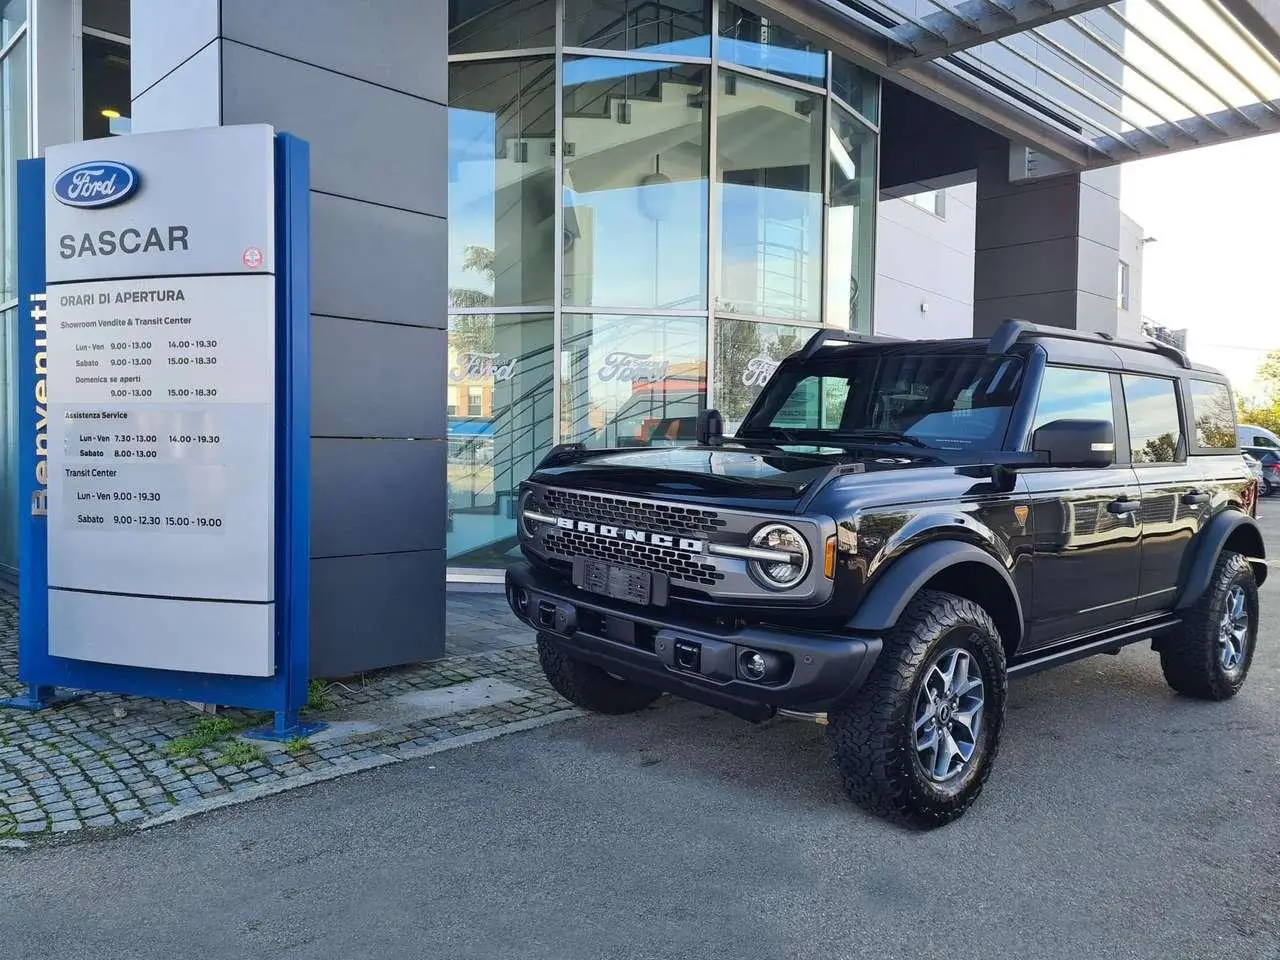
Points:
(687, 544)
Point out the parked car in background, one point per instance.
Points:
(1269, 463)
(1255, 468)
(1251, 436)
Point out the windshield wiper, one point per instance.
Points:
(885, 435)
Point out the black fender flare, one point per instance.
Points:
(1211, 541)
(893, 589)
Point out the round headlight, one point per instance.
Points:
(526, 504)
(792, 561)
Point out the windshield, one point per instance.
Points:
(947, 401)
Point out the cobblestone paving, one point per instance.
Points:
(107, 760)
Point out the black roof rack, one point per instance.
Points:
(1011, 331)
(815, 342)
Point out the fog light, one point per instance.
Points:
(752, 665)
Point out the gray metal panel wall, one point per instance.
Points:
(367, 85)
(1046, 251)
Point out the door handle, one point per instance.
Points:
(1194, 498)
(1122, 506)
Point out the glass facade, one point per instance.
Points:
(15, 145)
(650, 204)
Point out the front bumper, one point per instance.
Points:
(810, 672)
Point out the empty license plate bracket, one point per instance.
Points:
(641, 587)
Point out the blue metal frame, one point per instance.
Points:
(284, 693)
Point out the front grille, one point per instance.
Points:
(679, 565)
(637, 514)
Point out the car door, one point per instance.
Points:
(1086, 524)
(1176, 496)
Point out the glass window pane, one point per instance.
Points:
(816, 403)
(946, 401)
(1155, 434)
(111, 16)
(851, 223)
(770, 174)
(858, 88)
(106, 87)
(747, 353)
(632, 381)
(500, 368)
(14, 117)
(501, 183)
(1215, 414)
(671, 28)
(13, 13)
(476, 26)
(1067, 394)
(751, 40)
(635, 184)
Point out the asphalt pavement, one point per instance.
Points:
(1122, 821)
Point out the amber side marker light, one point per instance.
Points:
(829, 559)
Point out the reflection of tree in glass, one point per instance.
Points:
(1214, 427)
(473, 333)
(736, 344)
(741, 346)
(1161, 449)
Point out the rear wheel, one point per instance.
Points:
(918, 741)
(589, 687)
(1209, 656)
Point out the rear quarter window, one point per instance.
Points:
(1213, 410)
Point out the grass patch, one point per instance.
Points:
(318, 698)
(8, 824)
(237, 753)
(206, 732)
(297, 745)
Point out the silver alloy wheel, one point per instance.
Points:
(948, 715)
(1233, 630)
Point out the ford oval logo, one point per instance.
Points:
(97, 184)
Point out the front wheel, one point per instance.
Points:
(919, 740)
(1210, 654)
(589, 687)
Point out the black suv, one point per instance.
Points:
(896, 528)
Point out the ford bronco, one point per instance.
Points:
(895, 529)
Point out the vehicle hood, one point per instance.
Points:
(764, 475)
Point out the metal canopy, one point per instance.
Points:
(1082, 83)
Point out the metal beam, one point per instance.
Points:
(978, 21)
(1214, 128)
(1261, 18)
(847, 36)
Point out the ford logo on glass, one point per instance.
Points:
(97, 184)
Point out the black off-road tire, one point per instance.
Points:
(589, 687)
(872, 737)
(1191, 656)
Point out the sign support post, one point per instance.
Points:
(165, 443)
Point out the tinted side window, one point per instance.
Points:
(1067, 394)
(1214, 414)
(1155, 434)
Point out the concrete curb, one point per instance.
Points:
(358, 766)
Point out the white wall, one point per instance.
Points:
(924, 267)
(1129, 322)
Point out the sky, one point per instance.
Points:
(1214, 267)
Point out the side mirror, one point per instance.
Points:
(710, 428)
(1076, 443)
